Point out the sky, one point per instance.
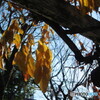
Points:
(88, 44)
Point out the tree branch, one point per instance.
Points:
(57, 13)
(66, 15)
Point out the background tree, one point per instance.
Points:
(17, 36)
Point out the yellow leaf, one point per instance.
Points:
(25, 49)
(6, 51)
(34, 23)
(26, 77)
(9, 33)
(1, 66)
(45, 79)
(22, 19)
(43, 65)
(30, 65)
(1, 63)
(75, 35)
(85, 3)
(15, 6)
(20, 31)
(45, 27)
(91, 4)
(37, 73)
(38, 55)
(45, 36)
(82, 46)
(10, 5)
(7, 37)
(14, 26)
(42, 47)
(48, 54)
(21, 60)
(30, 40)
(17, 40)
(52, 31)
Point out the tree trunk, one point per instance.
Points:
(5, 77)
(1, 86)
